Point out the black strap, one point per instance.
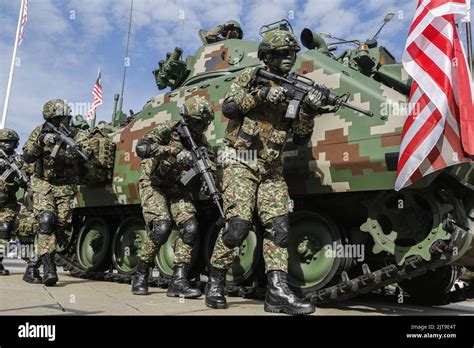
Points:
(246, 136)
(274, 146)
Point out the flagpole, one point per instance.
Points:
(12, 67)
(93, 120)
(126, 56)
(469, 35)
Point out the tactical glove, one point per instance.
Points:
(276, 94)
(184, 157)
(48, 139)
(3, 163)
(316, 98)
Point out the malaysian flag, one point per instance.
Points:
(439, 129)
(23, 19)
(97, 92)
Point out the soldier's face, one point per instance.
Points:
(60, 120)
(283, 61)
(196, 126)
(8, 146)
(233, 33)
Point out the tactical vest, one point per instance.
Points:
(60, 170)
(8, 186)
(264, 129)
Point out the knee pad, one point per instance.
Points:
(47, 223)
(236, 232)
(281, 230)
(188, 231)
(5, 230)
(159, 231)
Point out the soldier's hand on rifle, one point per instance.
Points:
(184, 157)
(204, 190)
(316, 98)
(48, 139)
(276, 94)
(3, 163)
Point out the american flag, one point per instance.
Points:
(439, 129)
(24, 18)
(97, 92)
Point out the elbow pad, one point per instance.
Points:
(231, 109)
(143, 148)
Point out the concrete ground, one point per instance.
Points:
(73, 296)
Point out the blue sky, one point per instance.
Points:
(67, 40)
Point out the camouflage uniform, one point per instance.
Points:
(9, 185)
(54, 179)
(165, 199)
(258, 128)
(53, 184)
(162, 195)
(219, 32)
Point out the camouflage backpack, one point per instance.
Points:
(99, 168)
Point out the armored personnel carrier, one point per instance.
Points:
(351, 232)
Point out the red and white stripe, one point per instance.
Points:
(98, 98)
(440, 96)
(24, 18)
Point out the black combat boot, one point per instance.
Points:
(179, 285)
(50, 276)
(140, 278)
(3, 271)
(32, 274)
(215, 289)
(280, 298)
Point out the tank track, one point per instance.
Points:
(442, 253)
(66, 259)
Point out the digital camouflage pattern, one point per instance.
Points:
(199, 108)
(219, 32)
(62, 169)
(52, 198)
(258, 182)
(7, 134)
(347, 152)
(53, 181)
(248, 186)
(278, 40)
(162, 195)
(9, 185)
(55, 108)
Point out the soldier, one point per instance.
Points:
(53, 182)
(79, 122)
(228, 30)
(164, 197)
(10, 182)
(257, 125)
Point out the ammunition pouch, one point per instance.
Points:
(273, 146)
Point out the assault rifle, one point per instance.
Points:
(14, 168)
(298, 86)
(63, 134)
(200, 165)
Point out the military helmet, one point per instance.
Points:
(198, 108)
(233, 25)
(8, 140)
(7, 134)
(56, 108)
(277, 40)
